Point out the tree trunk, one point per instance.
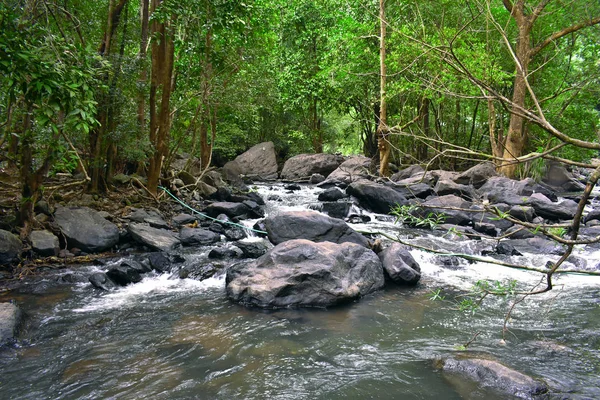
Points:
(424, 116)
(382, 129)
(160, 95)
(515, 138)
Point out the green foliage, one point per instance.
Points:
(410, 215)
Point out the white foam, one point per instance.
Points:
(149, 287)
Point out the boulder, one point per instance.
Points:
(456, 217)
(302, 166)
(182, 219)
(151, 217)
(399, 265)
(44, 243)
(446, 186)
(86, 229)
(353, 169)
(124, 275)
(197, 237)
(414, 190)
(559, 177)
(301, 273)
(101, 281)
(499, 189)
(157, 239)
(252, 249)
(159, 262)
(478, 175)
(310, 225)
(375, 197)
(199, 272)
(332, 194)
(10, 319)
(225, 252)
(316, 178)
(232, 210)
(10, 247)
(411, 171)
(492, 374)
(336, 209)
(259, 162)
(564, 210)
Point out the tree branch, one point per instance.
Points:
(563, 32)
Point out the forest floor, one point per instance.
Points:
(66, 190)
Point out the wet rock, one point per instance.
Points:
(507, 249)
(292, 187)
(10, 319)
(232, 210)
(259, 162)
(310, 225)
(399, 265)
(199, 272)
(478, 175)
(196, 237)
(101, 281)
(485, 228)
(10, 247)
(256, 211)
(205, 190)
(375, 197)
(301, 273)
(234, 233)
(252, 249)
(159, 262)
(124, 275)
(224, 252)
(492, 374)
(121, 179)
(332, 194)
(351, 170)
(316, 178)
(303, 166)
(43, 207)
(84, 228)
(137, 266)
(336, 210)
(157, 239)
(44, 243)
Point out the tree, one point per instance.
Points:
(161, 87)
(524, 51)
(382, 127)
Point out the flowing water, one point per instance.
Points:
(170, 338)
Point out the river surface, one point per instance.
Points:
(171, 338)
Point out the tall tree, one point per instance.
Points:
(382, 128)
(524, 49)
(161, 87)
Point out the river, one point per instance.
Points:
(171, 338)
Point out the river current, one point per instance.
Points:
(171, 338)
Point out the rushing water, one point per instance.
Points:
(167, 338)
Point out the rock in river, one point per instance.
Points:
(301, 273)
(86, 229)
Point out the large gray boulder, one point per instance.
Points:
(310, 225)
(499, 189)
(259, 162)
(478, 175)
(10, 319)
(231, 209)
(376, 197)
(44, 243)
(543, 207)
(303, 166)
(157, 239)
(452, 209)
(10, 247)
(301, 273)
(86, 229)
(492, 374)
(408, 172)
(351, 170)
(399, 265)
(560, 178)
